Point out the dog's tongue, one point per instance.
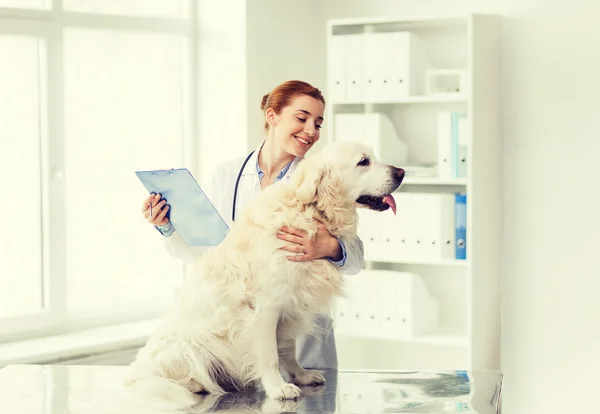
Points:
(389, 199)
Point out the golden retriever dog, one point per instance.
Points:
(244, 303)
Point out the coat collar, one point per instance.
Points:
(250, 168)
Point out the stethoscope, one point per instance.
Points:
(237, 182)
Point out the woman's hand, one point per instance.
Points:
(322, 245)
(159, 210)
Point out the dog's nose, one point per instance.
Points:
(396, 174)
(399, 173)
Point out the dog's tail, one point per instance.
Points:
(155, 389)
(159, 393)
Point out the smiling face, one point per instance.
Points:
(297, 127)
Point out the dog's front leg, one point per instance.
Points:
(267, 358)
(287, 357)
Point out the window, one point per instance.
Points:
(149, 8)
(94, 91)
(21, 287)
(26, 4)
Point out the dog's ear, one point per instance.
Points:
(310, 175)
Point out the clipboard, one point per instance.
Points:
(191, 212)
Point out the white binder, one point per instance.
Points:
(390, 148)
(395, 64)
(438, 227)
(336, 69)
(349, 315)
(429, 230)
(380, 233)
(409, 227)
(353, 46)
(395, 242)
(463, 146)
(341, 314)
(423, 230)
(352, 127)
(410, 57)
(407, 308)
(386, 304)
(444, 145)
(375, 56)
(375, 130)
(369, 228)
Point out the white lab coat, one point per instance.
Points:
(316, 351)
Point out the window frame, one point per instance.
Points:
(49, 25)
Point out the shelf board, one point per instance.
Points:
(412, 99)
(414, 20)
(434, 181)
(445, 340)
(448, 262)
(440, 340)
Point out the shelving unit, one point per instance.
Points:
(447, 262)
(401, 54)
(435, 181)
(410, 100)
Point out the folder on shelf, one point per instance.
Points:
(337, 69)
(462, 144)
(453, 145)
(394, 66)
(460, 222)
(353, 44)
(437, 226)
(459, 145)
(374, 51)
(444, 149)
(387, 304)
(424, 231)
(192, 214)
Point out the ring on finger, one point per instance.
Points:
(302, 249)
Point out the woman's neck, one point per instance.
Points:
(273, 158)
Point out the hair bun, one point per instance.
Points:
(263, 103)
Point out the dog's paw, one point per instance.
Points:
(285, 392)
(270, 405)
(309, 377)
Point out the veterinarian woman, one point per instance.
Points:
(293, 114)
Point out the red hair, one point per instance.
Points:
(282, 95)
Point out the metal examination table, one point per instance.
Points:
(84, 389)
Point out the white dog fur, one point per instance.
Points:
(244, 303)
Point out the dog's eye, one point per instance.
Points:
(364, 162)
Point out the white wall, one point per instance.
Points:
(286, 40)
(551, 83)
(222, 84)
(551, 335)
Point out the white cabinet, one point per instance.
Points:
(424, 93)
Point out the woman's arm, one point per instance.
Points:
(354, 254)
(346, 253)
(180, 250)
(174, 244)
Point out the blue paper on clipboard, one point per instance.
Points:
(192, 214)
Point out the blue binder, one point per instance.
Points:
(460, 222)
(192, 214)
